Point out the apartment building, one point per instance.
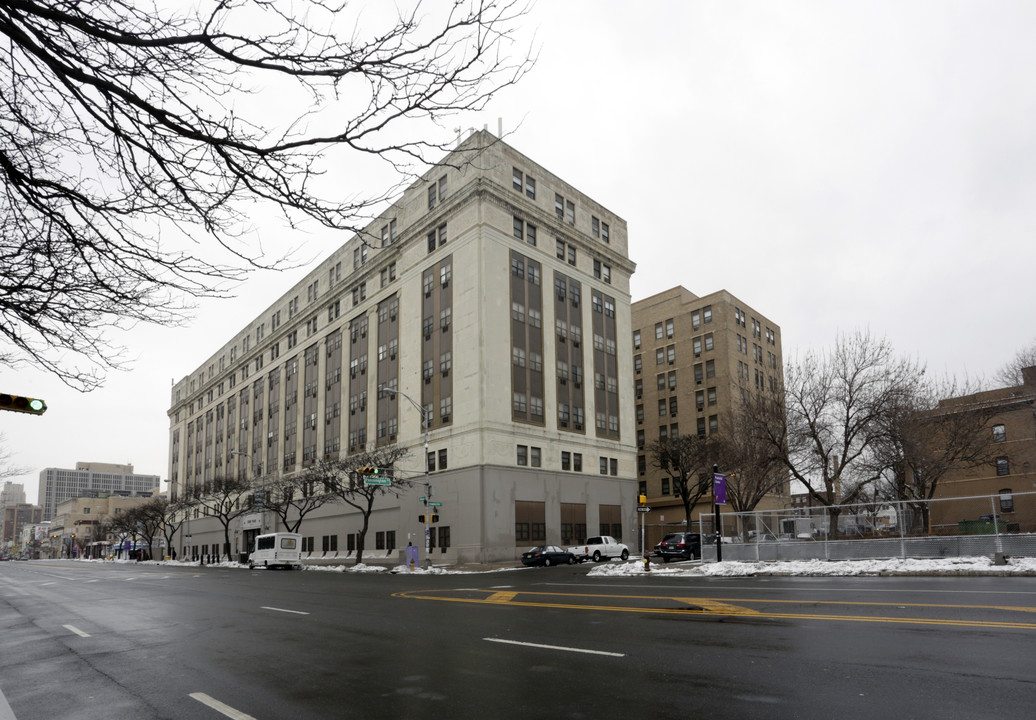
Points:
(90, 479)
(493, 297)
(1007, 485)
(693, 358)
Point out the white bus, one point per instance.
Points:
(277, 550)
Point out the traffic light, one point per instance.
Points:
(370, 470)
(428, 518)
(17, 403)
(643, 500)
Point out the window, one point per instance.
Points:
(520, 181)
(437, 238)
(636, 339)
(708, 341)
(1003, 466)
(1006, 500)
(534, 456)
(442, 459)
(523, 455)
(707, 313)
(524, 231)
(695, 319)
(999, 433)
(566, 460)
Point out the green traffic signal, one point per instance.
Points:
(18, 403)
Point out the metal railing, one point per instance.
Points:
(952, 527)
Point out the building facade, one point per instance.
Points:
(78, 522)
(1007, 485)
(492, 297)
(693, 360)
(91, 479)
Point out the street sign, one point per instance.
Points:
(643, 509)
(372, 480)
(435, 504)
(719, 488)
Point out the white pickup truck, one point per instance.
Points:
(600, 548)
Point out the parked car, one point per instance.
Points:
(547, 555)
(679, 546)
(601, 547)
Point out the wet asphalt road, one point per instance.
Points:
(87, 640)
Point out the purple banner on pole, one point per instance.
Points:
(719, 488)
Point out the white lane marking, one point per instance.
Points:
(6, 713)
(220, 707)
(293, 612)
(46, 584)
(555, 647)
(76, 630)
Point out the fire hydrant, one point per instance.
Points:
(647, 562)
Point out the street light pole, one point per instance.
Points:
(424, 427)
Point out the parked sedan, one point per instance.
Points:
(547, 555)
(679, 546)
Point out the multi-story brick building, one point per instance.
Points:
(692, 359)
(494, 296)
(1007, 485)
(90, 479)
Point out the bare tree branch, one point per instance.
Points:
(133, 147)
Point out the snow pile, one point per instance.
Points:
(904, 566)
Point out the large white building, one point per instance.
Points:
(91, 480)
(495, 296)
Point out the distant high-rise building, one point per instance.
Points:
(12, 494)
(493, 297)
(90, 480)
(694, 359)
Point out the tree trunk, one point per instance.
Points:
(360, 537)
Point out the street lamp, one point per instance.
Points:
(424, 426)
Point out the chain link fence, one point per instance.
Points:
(953, 527)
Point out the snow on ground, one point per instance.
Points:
(905, 566)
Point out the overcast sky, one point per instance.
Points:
(837, 166)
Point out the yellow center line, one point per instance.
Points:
(722, 607)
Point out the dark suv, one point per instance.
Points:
(679, 545)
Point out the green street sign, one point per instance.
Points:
(376, 481)
(421, 499)
(435, 504)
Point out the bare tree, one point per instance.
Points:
(687, 460)
(226, 499)
(340, 478)
(7, 470)
(1010, 374)
(130, 131)
(740, 451)
(294, 497)
(832, 417)
(924, 435)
